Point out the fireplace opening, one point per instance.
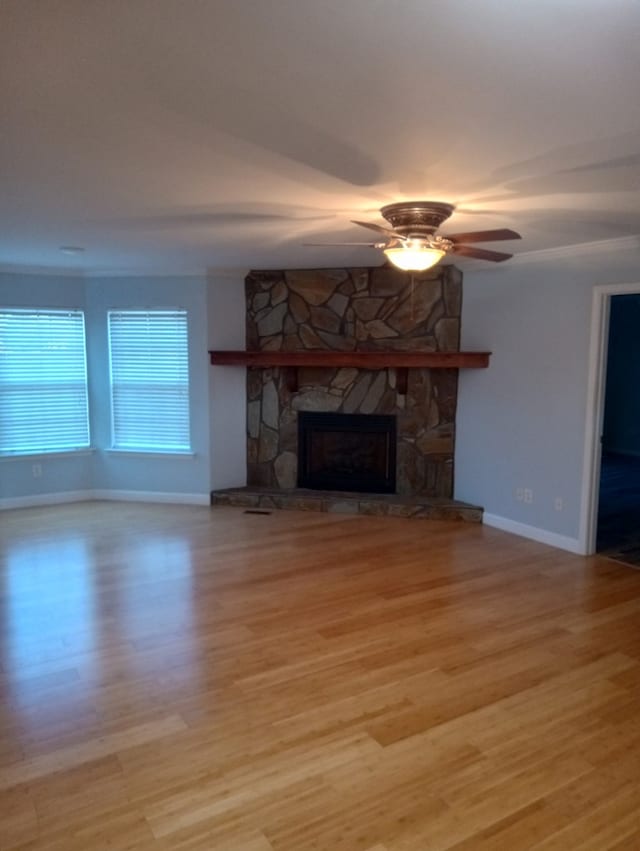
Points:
(348, 452)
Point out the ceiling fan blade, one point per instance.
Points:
(480, 253)
(483, 236)
(379, 229)
(367, 244)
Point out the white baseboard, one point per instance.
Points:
(111, 495)
(45, 499)
(543, 536)
(153, 496)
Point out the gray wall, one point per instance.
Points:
(522, 422)
(138, 471)
(227, 384)
(216, 317)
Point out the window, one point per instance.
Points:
(43, 381)
(149, 380)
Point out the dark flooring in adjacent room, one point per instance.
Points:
(619, 511)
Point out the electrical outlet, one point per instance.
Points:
(558, 504)
(519, 494)
(36, 470)
(528, 495)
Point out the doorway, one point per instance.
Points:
(618, 521)
(611, 495)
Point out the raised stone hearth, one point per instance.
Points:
(341, 502)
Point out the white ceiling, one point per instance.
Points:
(193, 134)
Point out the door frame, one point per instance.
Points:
(596, 386)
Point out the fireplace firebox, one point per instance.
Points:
(348, 452)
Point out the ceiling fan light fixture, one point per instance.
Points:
(413, 244)
(414, 257)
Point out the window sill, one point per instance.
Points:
(55, 453)
(152, 453)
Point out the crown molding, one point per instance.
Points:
(48, 271)
(580, 249)
(124, 272)
(210, 273)
(88, 274)
(561, 252)
(232, 273)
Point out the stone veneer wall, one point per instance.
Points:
(345, 310)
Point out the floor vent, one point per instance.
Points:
(256, 511)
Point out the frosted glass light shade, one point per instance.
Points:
(414, 258)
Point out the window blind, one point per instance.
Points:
(43, 381)
(149, 380)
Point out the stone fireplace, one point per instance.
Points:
(347, 310)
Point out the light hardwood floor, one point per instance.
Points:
(186, 678)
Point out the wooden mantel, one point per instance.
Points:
(400, 361)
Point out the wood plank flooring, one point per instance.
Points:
(188, 679)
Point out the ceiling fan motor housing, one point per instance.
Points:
(417, 217)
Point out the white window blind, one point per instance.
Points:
(43, 381)
(149, 380)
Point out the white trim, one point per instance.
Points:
(55, 453)
(186, 454)
(45, 499)
(579, 249)
(562, 542)
(594, 414)
(560, 252)
(87, 273)
(153, 496)
(152, 272)
(56, 271)
(206, 272)
(110, 495)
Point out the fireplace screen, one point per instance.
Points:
(348, 452)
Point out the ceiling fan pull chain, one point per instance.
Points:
(411, 295)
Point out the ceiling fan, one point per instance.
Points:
(412, 244)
